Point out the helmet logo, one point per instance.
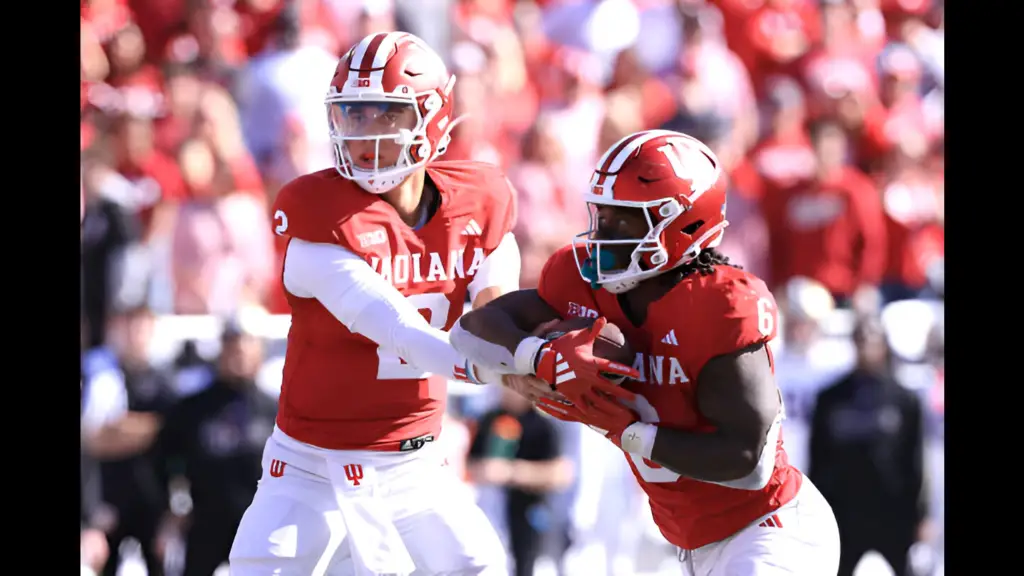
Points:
(361, 83)
(689, 163)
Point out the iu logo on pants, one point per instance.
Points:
(277, 468)
(354, 473)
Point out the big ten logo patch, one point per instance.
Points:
(581, 311)
(354, 473)
(372, 238)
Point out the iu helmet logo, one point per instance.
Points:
(277, 468)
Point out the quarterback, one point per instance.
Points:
(383, 251)
(699, 417)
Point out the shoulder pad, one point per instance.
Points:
(316, 207)
(742, 308)
(560, 281)
(484, 192)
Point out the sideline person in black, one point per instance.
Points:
(219, 434)
(867, 456)
(518, 448)
(134, 483)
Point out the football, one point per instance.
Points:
(610, 344)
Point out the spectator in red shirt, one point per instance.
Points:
(900, 120)
(736, 16)
(629, 75)
(832, 228)
(182, 91)
(222, 250)
(913, 200)
(781, 34)
(784, 157)
(218, 125)
(707, 61)
(548, 209)
(138, 85)
(842, 37)
(160, 21)
(155, 176)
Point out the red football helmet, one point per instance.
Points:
(389, 87)
(678, 183)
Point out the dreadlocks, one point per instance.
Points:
(705, 263)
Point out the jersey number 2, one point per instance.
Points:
(433, 307)
(648, 472)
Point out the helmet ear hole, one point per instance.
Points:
(692, 228)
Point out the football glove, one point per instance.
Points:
(568, 364)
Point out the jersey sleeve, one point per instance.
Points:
(497, 205)
(739, 313)
(562, 287)
(500, 269)
(368, 305)
(501, 266)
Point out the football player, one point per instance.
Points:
(700, 426)
(383, 250)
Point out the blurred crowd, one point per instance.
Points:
(827, 115)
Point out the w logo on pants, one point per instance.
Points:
(354, 473)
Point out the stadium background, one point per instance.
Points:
(195, 112)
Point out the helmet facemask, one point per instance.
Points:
(648, 259)
(363, 126)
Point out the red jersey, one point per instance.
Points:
(700, 318)
(338, 390)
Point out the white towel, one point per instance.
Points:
(377, 549)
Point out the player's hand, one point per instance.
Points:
(607, 416)
(530, 387)
(568, 364)
(568, 412)
(561, 409)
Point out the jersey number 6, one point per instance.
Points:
(433, 307)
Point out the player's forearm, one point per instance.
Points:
(411, 338)
(711, 457)
(494, 325)
(497, 336)
(489, 337)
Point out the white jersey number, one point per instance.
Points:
(765, 317)
(433, 307)
(649, 473)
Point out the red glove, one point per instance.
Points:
(609, 422)
(562, 410)
(568, 364)
(607, 415)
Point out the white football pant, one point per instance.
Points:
(362, 513)
(799, 539)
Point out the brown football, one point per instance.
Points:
(610, 344)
